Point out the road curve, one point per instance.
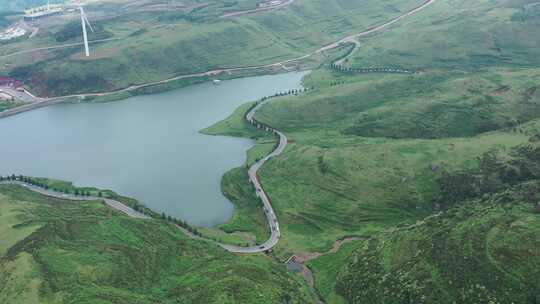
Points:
(275, 233)
(273, 224)
(109, 202)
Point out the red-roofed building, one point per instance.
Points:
(10, 82)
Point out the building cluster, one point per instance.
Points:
(43, 11)
(271, 3)
(12, 33)
(4, 96)
(10, 82)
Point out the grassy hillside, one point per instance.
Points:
(431, 105)
(187, 41)
(55, 251)
(485, 249)
(460, 34)
(379, 156)
(434, 174)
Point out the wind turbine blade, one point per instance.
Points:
(85, 36)
(83, 15)
(88, 22)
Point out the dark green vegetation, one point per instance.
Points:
(431, 105)
(485, 249)
(65, 252)
(72, 30)
(8, 105)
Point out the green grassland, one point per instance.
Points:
(460, 34)
(248, 216)
(185, 42)
(437, 172)
(431, 105)
(8, 105)
(484, 249)
(378, 155)
(478, 254)
(65, 252)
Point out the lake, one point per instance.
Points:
(147, 147)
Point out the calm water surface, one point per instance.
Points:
(147, 147)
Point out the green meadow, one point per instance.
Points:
(434, 172)
(178, 42)
(55, 251)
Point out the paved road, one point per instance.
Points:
(257, 10)
(63, 46)
(273, 223)
(23, 96)
(110, 202)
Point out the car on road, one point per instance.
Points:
(261, 247)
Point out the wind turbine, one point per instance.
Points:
(85, 21)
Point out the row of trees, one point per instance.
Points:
(287, 93)
(336, 83)
(41, 184)
(341, 68)
(181, 223)
(82, 192)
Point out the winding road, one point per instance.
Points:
(349, 39)
(253, 177)
(273, 224)
(69, 197)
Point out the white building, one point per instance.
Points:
(5, 96)
(43, 11)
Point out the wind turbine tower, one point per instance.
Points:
(85, 21)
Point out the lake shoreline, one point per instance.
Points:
(264, 83)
